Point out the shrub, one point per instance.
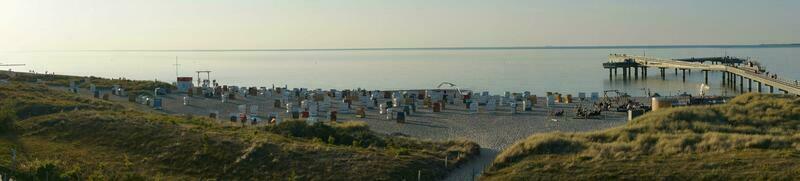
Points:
(7, 118)
(293, 128)
(47, 171)
(351, 133)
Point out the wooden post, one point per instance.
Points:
(684, 74)
(733, 80)
(723, 77)
(729, 78)
(644, 72)
(741, 84)
(636, 72)
(706, 72)
(759, 87)
(629, 73)
(749, 85)
(624, 73)
(663, 77)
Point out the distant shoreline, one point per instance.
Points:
(447, 48)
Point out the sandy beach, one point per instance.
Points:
(493, 130)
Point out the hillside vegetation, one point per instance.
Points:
(84, 82)
(62, 136)
(753, 136)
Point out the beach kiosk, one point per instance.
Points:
(184, 84)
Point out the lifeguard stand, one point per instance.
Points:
(204, 82)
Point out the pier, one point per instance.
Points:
(731, 68)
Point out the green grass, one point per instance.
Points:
(754, 136)
(103, 140)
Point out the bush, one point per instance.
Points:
(301, 129)
(7, 118)
(351, 134)
(47, 171)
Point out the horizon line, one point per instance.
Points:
(443, 48)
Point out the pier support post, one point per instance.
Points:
(663, 77)
(610, 74)
(759, 86)
(771, 89)
(733, 81)
(644, 72)
(676, 71)
(730, 79)
(636, 72)
(749, 85)
(629, 73)
(684, 74)
(723, 77)
(741, 84)
(706, 72)
(624, 73)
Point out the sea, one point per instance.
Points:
(567, 70)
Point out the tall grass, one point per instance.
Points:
(109, 141)
(751, 121)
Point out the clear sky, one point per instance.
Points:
(265, 24)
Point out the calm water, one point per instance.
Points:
(537, 70)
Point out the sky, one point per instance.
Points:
(310, 24)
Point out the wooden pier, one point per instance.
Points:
(732, 69)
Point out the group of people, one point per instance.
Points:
(586, 113)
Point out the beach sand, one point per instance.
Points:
(494, 130)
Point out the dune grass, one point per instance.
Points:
(85, 82)
(752, 136)
(60, 136)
